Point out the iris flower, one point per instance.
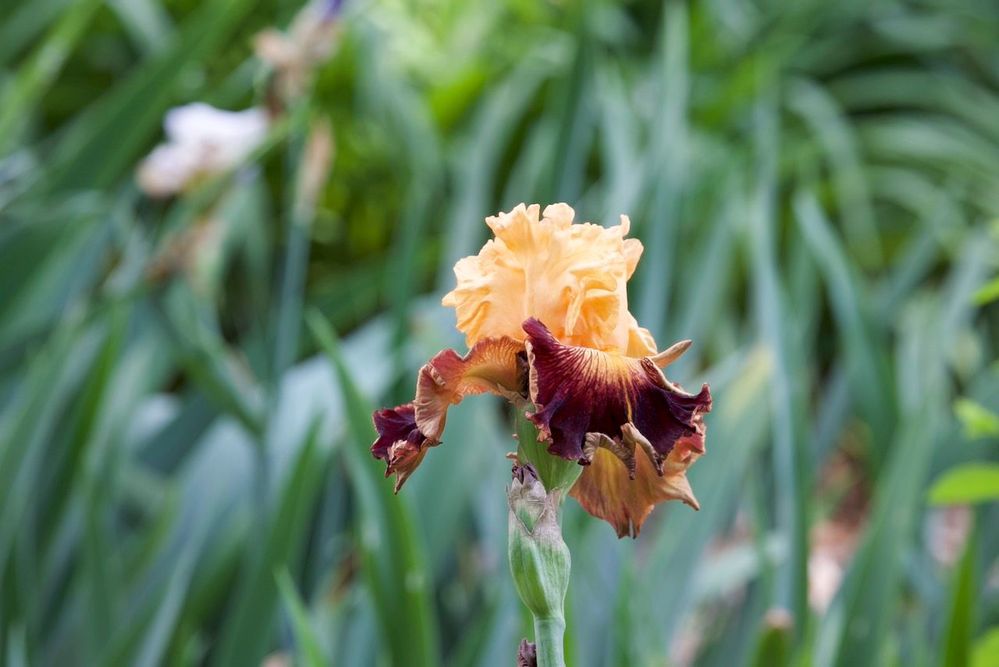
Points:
(544, 310)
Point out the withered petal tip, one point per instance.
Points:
(527, 654)
(523, 471)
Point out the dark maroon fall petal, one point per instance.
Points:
(578, 390)
(400, 443)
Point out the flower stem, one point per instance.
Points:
(549, 638)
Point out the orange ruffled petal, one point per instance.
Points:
(491, 365)
(406, 432)
(571, 276)
(607, 491)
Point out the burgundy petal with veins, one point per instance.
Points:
(579, 390)
(393, 425)
(400, 443)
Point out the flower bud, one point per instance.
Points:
(539, 557)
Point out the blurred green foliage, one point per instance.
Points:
(184, 476)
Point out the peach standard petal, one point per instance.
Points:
(571, 276)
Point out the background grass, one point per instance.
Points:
(184, 475)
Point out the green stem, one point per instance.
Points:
(549, 640)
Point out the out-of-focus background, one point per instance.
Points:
(190, 349)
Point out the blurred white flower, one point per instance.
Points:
(201, 141)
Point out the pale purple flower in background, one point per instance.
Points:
(331, 9)
(295, 54)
